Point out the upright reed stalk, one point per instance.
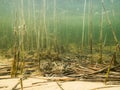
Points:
(34, 24)
(45, 27)
(90, 31)
(55, 42)
(91, 26)
(101, 36)
(14, 63)
(83, 29)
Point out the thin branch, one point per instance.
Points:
(60, 86)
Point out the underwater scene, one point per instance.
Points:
(59, 44)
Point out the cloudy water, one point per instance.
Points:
(56, 24)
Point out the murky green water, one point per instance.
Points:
(48, 24)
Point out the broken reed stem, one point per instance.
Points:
(112, 29)
(21, 83)
(108, 71)
(110, 23)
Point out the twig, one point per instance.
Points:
(60, 86)
(96, 72)
(18, 83)
(56, 78)
(104, 87)
(3, 86)
(104, 69)
(21, 83)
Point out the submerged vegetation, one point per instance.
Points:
(60, 36)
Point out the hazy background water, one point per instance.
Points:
(66, 15)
